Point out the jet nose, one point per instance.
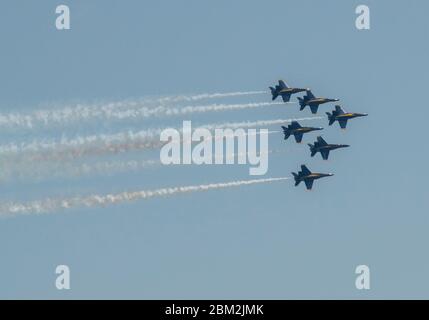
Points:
(330, 174)
(346, 145)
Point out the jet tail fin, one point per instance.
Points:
(274, 93)
(301, 103)
(296, 177)
(312, 149)
(331, 118)
(286, 132)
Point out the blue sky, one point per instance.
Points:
(265, 241)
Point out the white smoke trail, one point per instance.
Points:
(119, 111)
(115, 143)
(260, 123)
(49, 170)
(65, 116)
(209, 96)
(161, 111)
(40, 171)
(50, 205)
(127, 137)
(133, 103)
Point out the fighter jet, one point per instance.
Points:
(310, 100)
(283, 90)
(342, 117)
(297, 130)
(323, 147)
(308, 177)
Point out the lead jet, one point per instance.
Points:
(323, 147)
(310, 100)
(308, 177)
(297, 130)
(283, 90)
(341, 116)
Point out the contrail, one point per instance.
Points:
(51, 205)
(119, 142)
(114, 111)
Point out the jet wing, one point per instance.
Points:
(314, 108)
(295, 125)
(339, 110)
(321, 141)
(310, 94)
(343, 123)
(325, 154)
(304, 170)
(285, 97)
(309, 184)
(298, 137)
(282, 84)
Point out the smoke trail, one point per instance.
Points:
(182, 98)
(165, 111)
(58, 117)
(209, 96)
(143, 138)
(114, 143)
(91, 150)
(260, 123)
(48, 170)
(117, 111)
(50, 205)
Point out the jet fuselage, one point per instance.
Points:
(318, 101)
(350, 115)
(315, 176)
(332, 146)
(291, 90)
(306, 129)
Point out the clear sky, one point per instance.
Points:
(265, 241)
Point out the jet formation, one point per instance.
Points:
(298, 131)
